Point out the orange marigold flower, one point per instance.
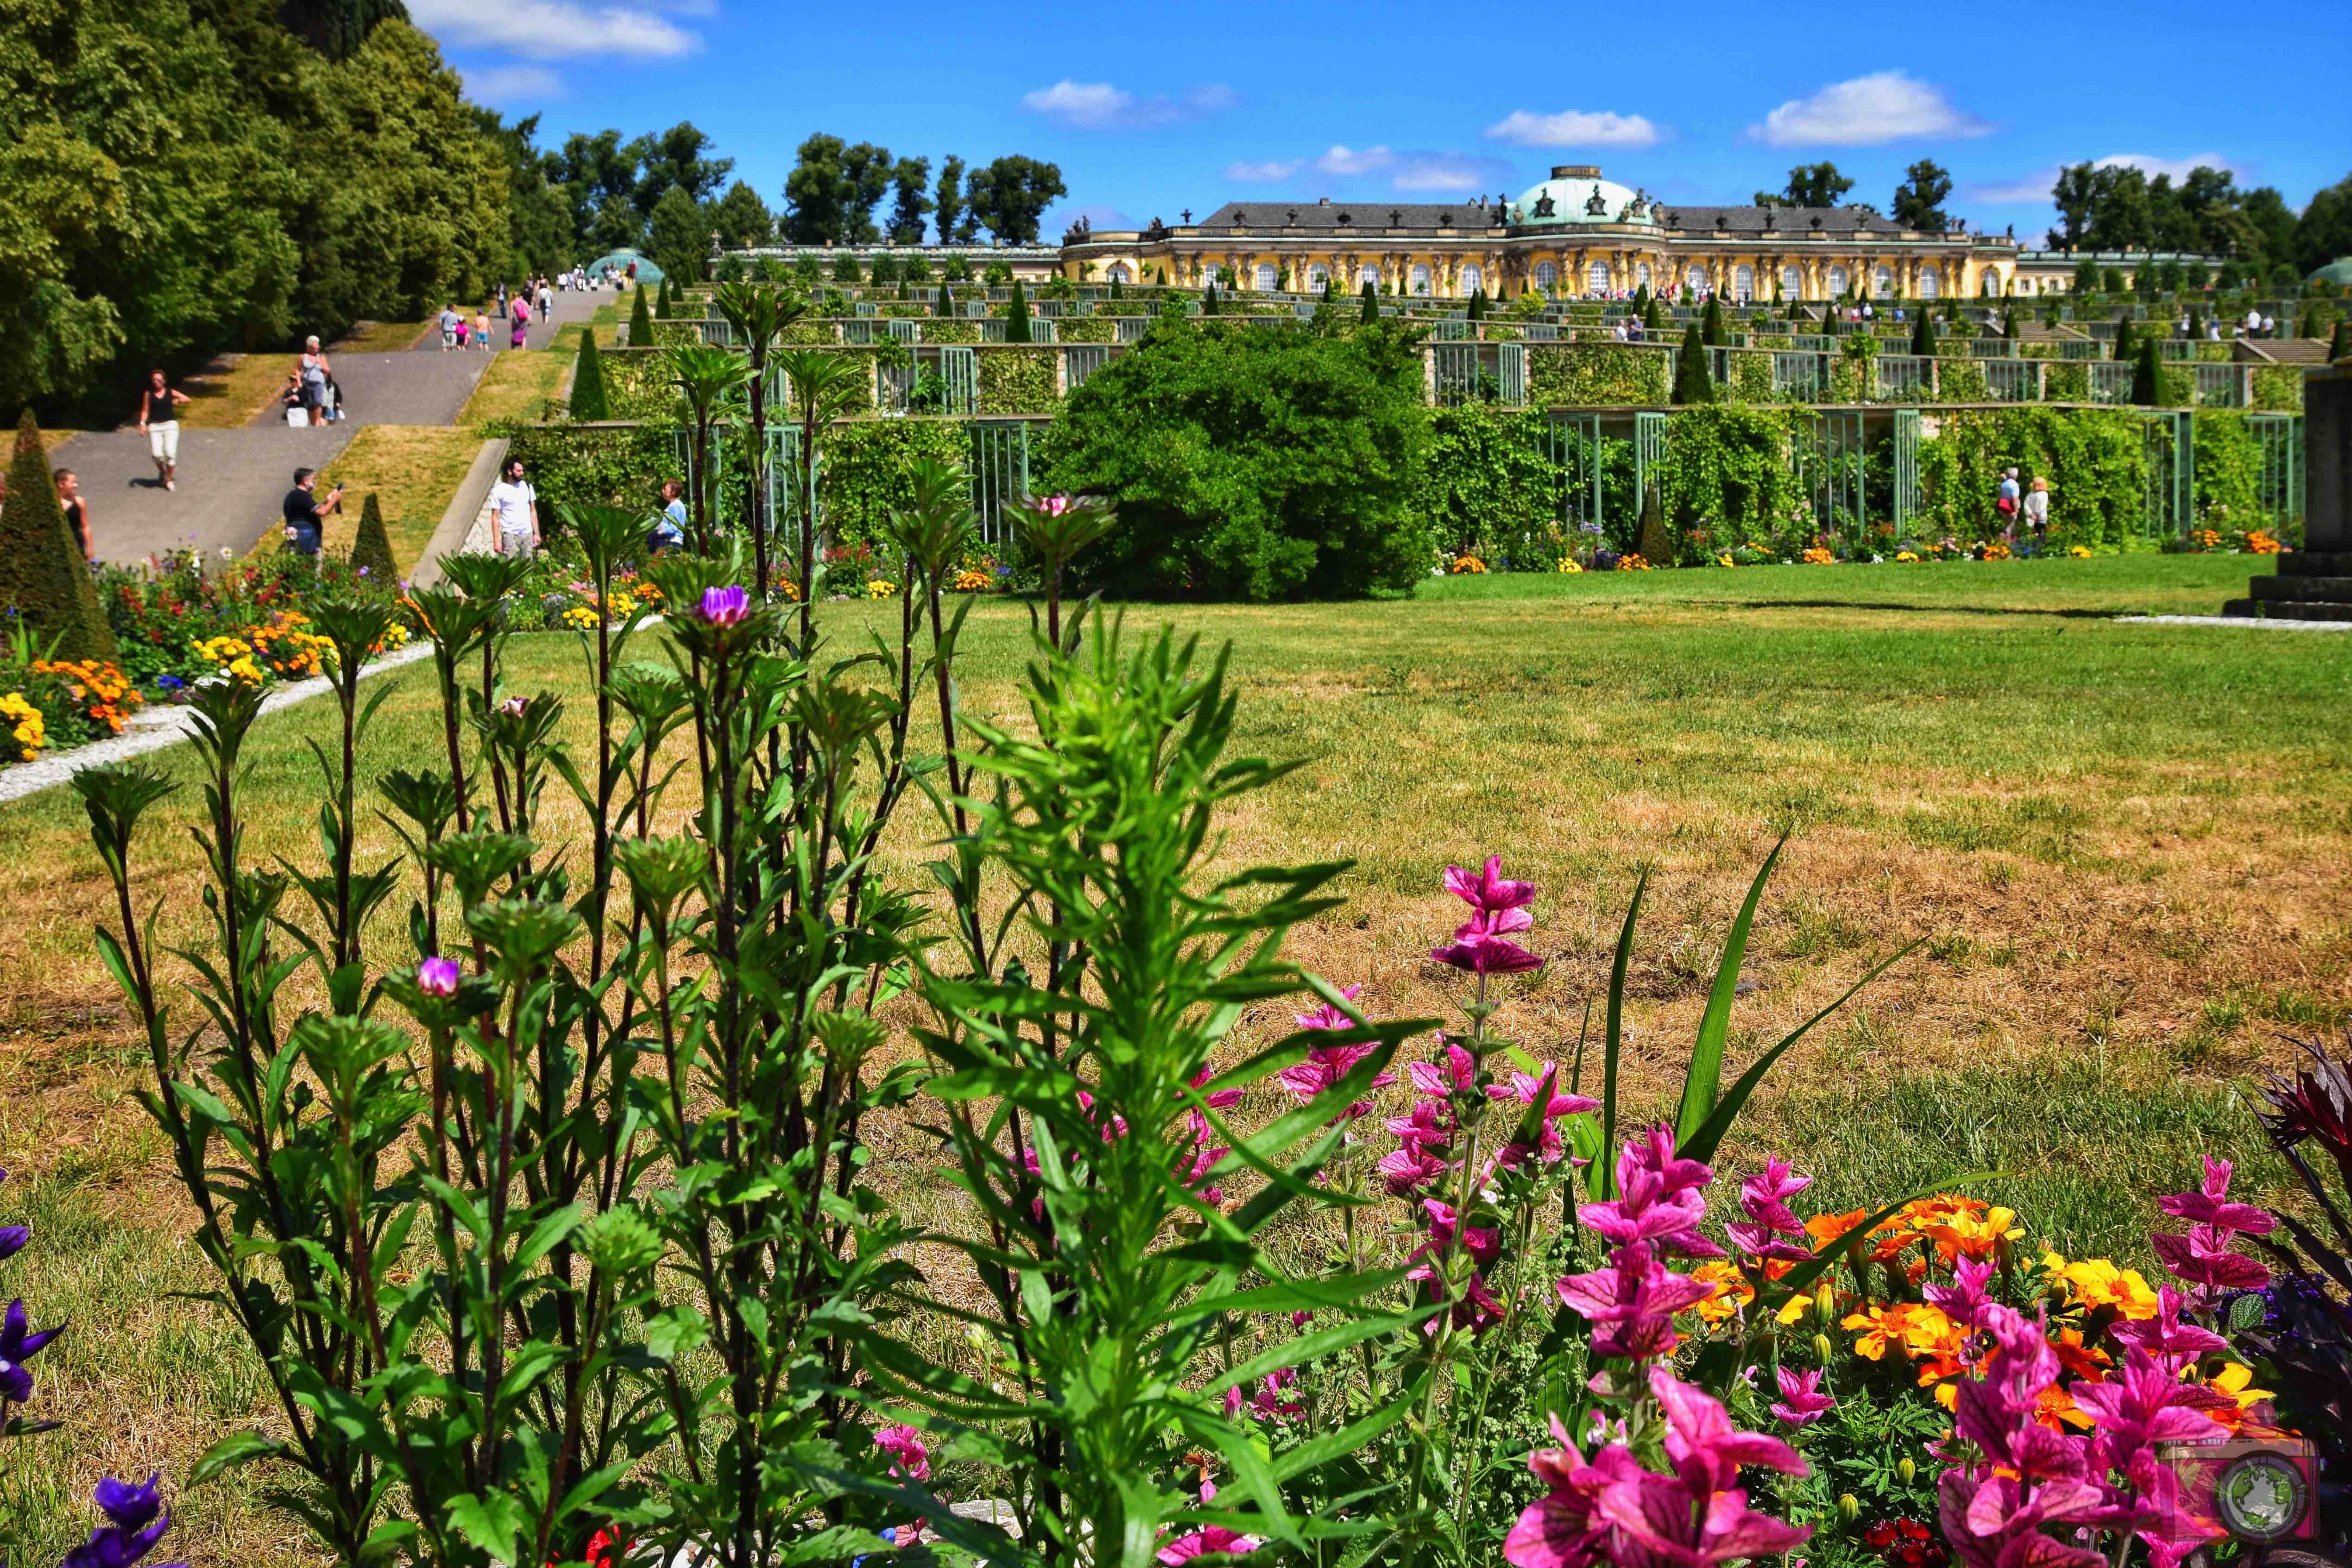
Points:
(1731, 1291)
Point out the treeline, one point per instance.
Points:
(2121, 208)
(183, 176)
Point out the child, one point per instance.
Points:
(482, 329)
(461, 331)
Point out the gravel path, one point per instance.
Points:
(2272, 623)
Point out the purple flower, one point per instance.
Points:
(908, 1456)
(1484, 955)
(437, 978)
(724, 606)
(1658, 1197)
(514, 707)
(1631, 1304)
(1802, 1401)
(1765, 1198)
(2165, 1336)
(2204, 1258)
(13, 1239)
(1326, 1065)
(135, 1522)
(17, 1348)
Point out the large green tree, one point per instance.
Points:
(1252, 464)
(742, 218)
(2324, 233)
(538, 211)
(913, 203)
(1009, 197)
(947, 201)
(1810, 185)
(1920, 200)
(679, 234)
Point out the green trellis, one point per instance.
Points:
(2280, 437)
(1000, 471)
(1905, 499)
(1649, 452)
(1572, 442)
(1830, 466)
(2170, 498)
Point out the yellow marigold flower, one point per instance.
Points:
(1725, 560)
(2094, 1282)
(1568, 565)
(878, 589)
(1905, 556)
(2233, 1382)
(1880, 1326)
(1975, 1236)
(1732, 1292)
(2080, 552)
(1817, 557)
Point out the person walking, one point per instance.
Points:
(502, 299)
(520, 334)
(448, 321)
(76, 509)
(2005, 497)
(315, 373)
(546, 299)
(159, 422)
(306, 513)
(514, 512)
(482, 329)
(2037, 510)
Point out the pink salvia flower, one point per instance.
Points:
(1454, 1072)
(1214, 1537)
(1408, 1170)
(1487, 890)
(437, 978)
(1327, 1065)
(1659, 1199)
(1482, 955)
(1631, 1304)
(909, 1460)
(1769, 1218)
(1964, 1300)
(2142, 1404)
(1802, 1401)
(2165, 1336)
(2206, 1259)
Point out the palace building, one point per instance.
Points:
(1576, 235)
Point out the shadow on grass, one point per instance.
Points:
(1943, 609)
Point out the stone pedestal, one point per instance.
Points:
(2314, 583)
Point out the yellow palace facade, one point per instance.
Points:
(1576, 236)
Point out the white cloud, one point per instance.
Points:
(1885, 106)
(2034, 187)
(1348, 160)
(1268, 172)
(498, 85)
(1448, 172)
(554, 29)
(1574, 127)
(1099, 106)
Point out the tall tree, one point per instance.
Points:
(1920, 200)
(599, 180)
(337, 28)
(912, 177)
(1011, 194)
(2325, 231)
(2120, 215)
(539, 227)
(816, 193)
(2074, 194)
(1810, 185)
(867, 170)
(679, 234)
(742, 218)
(2269, 224)
(947, 199)
(675, 159)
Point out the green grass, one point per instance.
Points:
(2122, 848)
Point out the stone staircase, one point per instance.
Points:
(2311, 585)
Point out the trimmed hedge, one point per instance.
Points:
(1750, 378)
(43, 576)
(869, 469)
(1566, 374)
(950, 331)
(1019, 380)
(2095, 461)
(2278, 389)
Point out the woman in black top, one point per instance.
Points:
(77, 510)
(159, 422)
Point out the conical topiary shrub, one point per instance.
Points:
(662, 307)
(43, 576)
(372, 549)
(1692, 383)
(2148, 388)
(1923, 336)
(2340, 345)
(1371, 303)
(1208, 298)
(1711, 323)
(641, 322)
(590, 397)
(945, 305)
(2124, 349)
(1650, 540)
(1016, 316)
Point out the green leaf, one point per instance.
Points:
(1705, 1074)
(494, 1523)
(1602, 1175)
(236, 1448)
(1339, 1445)
(1797, 1281)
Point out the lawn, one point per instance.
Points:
(528, 386)
(2121, 848)
(413, 470)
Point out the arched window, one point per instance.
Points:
(1318, 275)
(1931, 283)
(1117, 273)
(1596, 278)
(1369, 274)
(1546, 275)
(1882, 283)
(1421, 281)
(1988, 283)
(1695, 278)
(1835, 281)
(1266, 277)
(1792, 282)
(1743, 284)
(1641, 274)
(1474, 279)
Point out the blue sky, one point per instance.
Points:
(1151, 109)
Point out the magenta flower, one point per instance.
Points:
(1327, 1065)
(1769, 1218)
(1564, 1529)
(2142, 1404)
(1454, 1072)
(1484, 955)
(909, 1460)
(1270, 1402)
(515, 708)
(1222, 1098)
(437, 978)
(1488, 891)
(724, 606)
(1703, 1443)
(1631, 1304)
(1524, 1087)
(2171, 1529)
(1407, 1170)
(1658, 1197)
(1484, 1242)
(1213, 1538)
(1802, 1401)
(1964, 1300)
(2164, 1336)
(2206, 1257)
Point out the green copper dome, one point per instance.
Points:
(1576, 194)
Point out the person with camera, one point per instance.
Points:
(306, 513)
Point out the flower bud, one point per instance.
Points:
(1825, 1302)
(1904, 1469)
(1823, 1348)
(1849, 1507)
(437, 978)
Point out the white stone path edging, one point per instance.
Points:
(153, 729)
(2273, 623)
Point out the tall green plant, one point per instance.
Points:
(757, 315)
(590, 399)
(1016, 316)
(43, 576)
(641, 321)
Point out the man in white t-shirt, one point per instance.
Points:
(514, 512)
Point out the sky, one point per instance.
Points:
(1150, 111)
